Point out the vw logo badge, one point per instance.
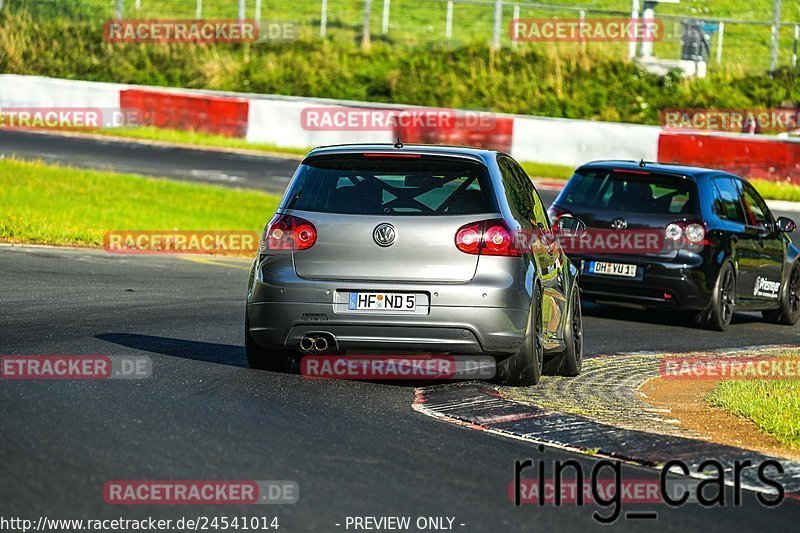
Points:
(619, 223)
(384, 234)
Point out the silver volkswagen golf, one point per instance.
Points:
(418, 250)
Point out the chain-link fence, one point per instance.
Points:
(752, 34)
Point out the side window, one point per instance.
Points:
(520, 190)
(756, 210)
(539, 212)
(727, 201)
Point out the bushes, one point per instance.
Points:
(540, 81)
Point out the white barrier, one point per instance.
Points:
(277, 120)
(38, 91)
(574, 142)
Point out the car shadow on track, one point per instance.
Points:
(232, 355)
(209, 352)
(652, 316)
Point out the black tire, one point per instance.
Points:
(789, 312)
(260, 358)
(570, 362)
(525, 367)
(718, 314)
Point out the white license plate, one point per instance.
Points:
(382, 301)
(612, 269)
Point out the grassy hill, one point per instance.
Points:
(415, 22)
(568, 82)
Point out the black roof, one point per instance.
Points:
(687, 171)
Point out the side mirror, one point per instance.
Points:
(571, 227)
(786, 225)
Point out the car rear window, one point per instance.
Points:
(631, 192)
(401, 187)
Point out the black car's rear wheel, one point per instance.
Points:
(789, 312)
(719, 313)
(258, 357)
(525, 366)
(570, 361)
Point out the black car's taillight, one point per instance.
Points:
(687, 232)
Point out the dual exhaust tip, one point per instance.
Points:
(317, 342)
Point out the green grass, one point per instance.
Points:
(546, 170)
(769, 189)
(415, 22)
(773, 190)
(774, 406)
(196, 138)
(67, 206)
(554, 81)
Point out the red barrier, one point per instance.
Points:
(494, 133)
(193, 112)
(751, 157)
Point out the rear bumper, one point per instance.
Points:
(457, 330)
(487, 315)
(683, 282)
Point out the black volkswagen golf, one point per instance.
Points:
(721, 250)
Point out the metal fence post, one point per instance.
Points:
(448, 25)
(136, 5)
(241, 9)
(498, 16)
(323, 19)
(1, 4)
(634, 19)
(776, 28)
(720, 38)
(257, 12)
(794, 47)
(385, 19)
(514, 41)
(119, 8)
(366, 42)
(198, 12)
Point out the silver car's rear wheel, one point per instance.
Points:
(525, 367)
(261, 358)
(570, 361)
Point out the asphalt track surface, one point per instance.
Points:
(355, 448)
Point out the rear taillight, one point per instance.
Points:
(686, 232)
(286, 232)
(468, 238)
(488, 237)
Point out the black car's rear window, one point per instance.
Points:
(401, 187)
(631, 192)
